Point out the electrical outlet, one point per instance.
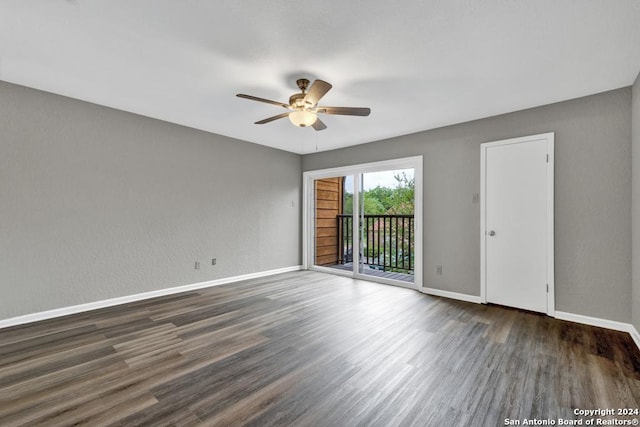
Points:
(213, 261)
(197, 265)
(439, 269)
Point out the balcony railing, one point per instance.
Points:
(388, 241)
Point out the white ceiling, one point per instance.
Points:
(418, 64)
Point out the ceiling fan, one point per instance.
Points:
(303, 107)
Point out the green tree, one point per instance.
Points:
(347, 203)
(402, 199)
(385, 200)
(377, 201)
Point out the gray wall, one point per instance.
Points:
(636, 203)
(97, 203)
(592, 197)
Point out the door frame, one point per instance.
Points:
(308, 210)
(550, 139)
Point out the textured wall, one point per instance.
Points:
(635, 118)
(97, 203)
(592, 197)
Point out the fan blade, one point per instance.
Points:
(268, 101)
(319, 124)
(317, 90)
(270, 119)
(345, 111)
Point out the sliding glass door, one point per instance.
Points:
(387, 224)
(363, 221)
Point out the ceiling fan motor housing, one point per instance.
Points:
(297, 100)
(303, 84)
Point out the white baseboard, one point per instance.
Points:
(593, 321)
(602, 323)
(452, 295)
(65, 311)
(635, 335)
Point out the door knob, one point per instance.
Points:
(492, 233)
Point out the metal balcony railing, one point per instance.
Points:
(388, 241)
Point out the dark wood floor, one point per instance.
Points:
(310, 349)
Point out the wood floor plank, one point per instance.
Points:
(309, 349)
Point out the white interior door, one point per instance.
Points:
(518, 222)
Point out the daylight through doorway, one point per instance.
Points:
(382, 243)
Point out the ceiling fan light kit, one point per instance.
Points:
(303, 118)
(304, 106)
